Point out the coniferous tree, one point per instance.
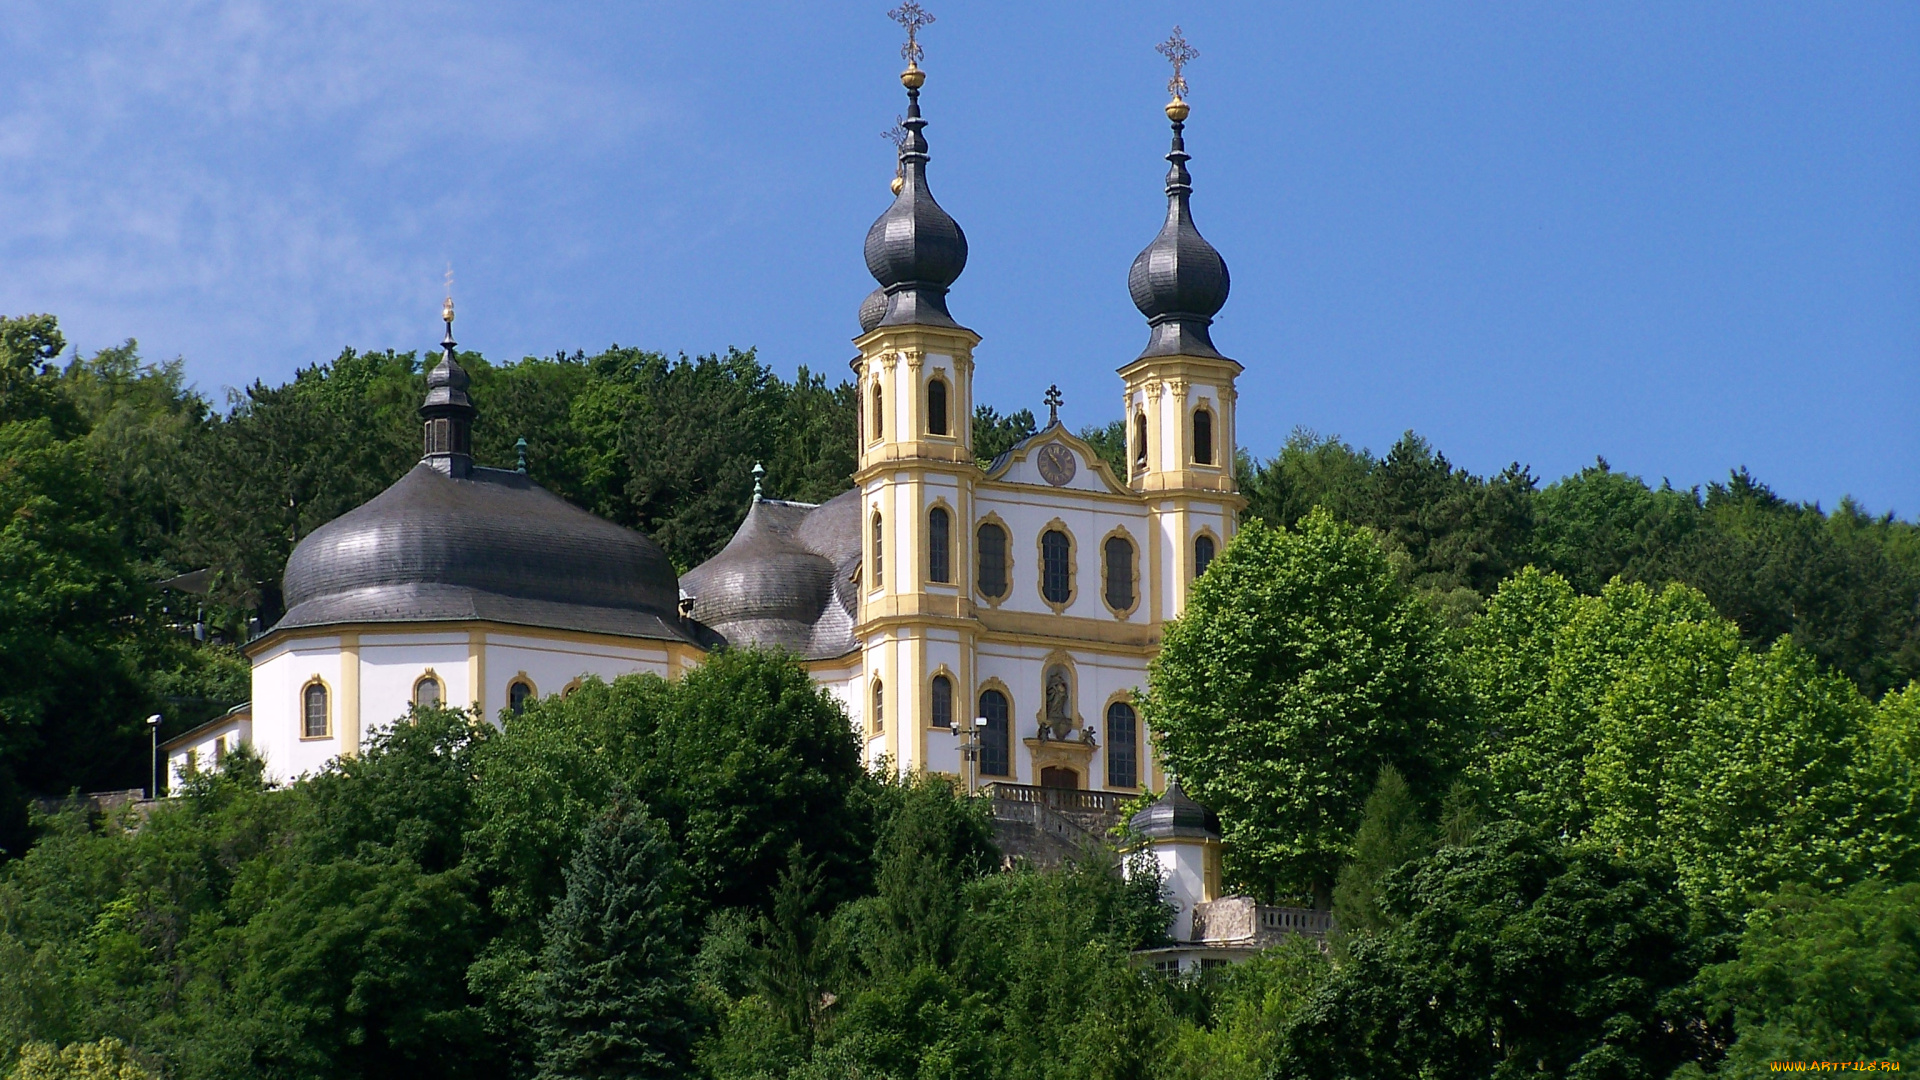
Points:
(1392, 831)
(614, 995)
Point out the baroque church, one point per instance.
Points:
(991, 624)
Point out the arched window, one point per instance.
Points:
(879, 533)
(942, 715)
(1202, 436)
(1123, 746)
(1202, 554)
(939, 545)
(879, 415)
(1118, 551)
(993, 737)
(990, 541)
(518, 691)
(879, 707)
(937, 407)
(426, 692)
(1056, 570)
(1139, 442)
(314, 706)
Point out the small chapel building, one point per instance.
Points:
(993, 624)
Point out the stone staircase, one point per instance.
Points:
(1046, 826)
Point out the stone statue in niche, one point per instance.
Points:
(1059, 722)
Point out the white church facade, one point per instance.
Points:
(1031, 594)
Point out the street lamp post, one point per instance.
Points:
(153, 726)
(970, 753)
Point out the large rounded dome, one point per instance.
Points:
(785, 579)
(491, 546)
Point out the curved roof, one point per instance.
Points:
(785, 580)
(1179, 282)
(1175, 816)
(492, 545)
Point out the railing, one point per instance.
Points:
(1288, 920)
(1098, 802)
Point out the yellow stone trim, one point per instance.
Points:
(991, 518)
(350, 693)
(938, 375)
(1064, 659)
(1077, 756)
(940, 502)
(429, 676)
(455, 628)
(1123, 697)
(1193, 556)
(1203, 405)
(953, 684)
(1133, 571)
(1073, 565)
(1013, 710)
(477, 671)
(1095, 464)
(1193, 368)
(533, 690)
(301, 713)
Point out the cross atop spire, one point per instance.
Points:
(911, 16)
(1054, 401)
(1179, 54)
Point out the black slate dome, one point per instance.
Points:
(491, 546)
(785, 579)
(872, 310)
(1175, 815)
(1179, 282)
(915, 250)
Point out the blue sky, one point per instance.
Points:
(1684, 236)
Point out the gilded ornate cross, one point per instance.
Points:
(1178, 53)
(1053, 402)
(912, 17)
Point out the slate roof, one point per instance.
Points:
(785, 580)
(491, 546)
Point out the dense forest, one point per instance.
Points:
(1600, 779)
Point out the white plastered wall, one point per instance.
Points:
(207, 746)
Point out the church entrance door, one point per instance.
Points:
(1055, 777)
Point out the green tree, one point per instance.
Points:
(108, 1059)
(1393, 831)
(1243, 1012)
(1302, 665)
(613, 986)
(1511, 957)
(1109, 440)
(994, 434)
(1823, 978)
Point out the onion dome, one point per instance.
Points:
(785, 579)
(1175, 816)
(1179, 282)
(449, 542)
(872, 310)
(915, 250)
(448, 412)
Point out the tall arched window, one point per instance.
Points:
(426, 693)
(879, 563)
(1202, 436)
(879, 415)
(939, 545)
(942, 713)
(1118, 552)
(1139, 442)
(879, 707)
(1056, 567)
(313, 702)
(993, 737)
(519, 691)
(990, 541)
(1202, 554)
(1123, 746)
(937, 407)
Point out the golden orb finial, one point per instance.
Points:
(913, 78)
(446, 311)
(898, 183)
(1177, 111)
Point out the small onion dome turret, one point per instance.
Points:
(1174, 816)
(872, 310)
(1179, 282)
(915, 250)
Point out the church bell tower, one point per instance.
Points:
(916, 471)
(1180, 390)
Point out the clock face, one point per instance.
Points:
(1057, 464)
